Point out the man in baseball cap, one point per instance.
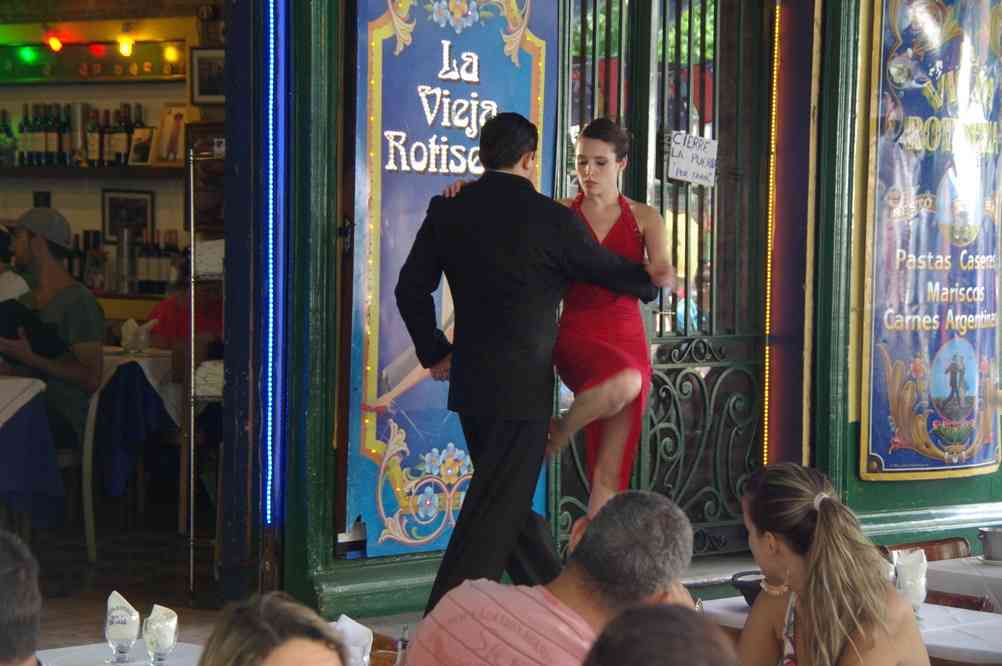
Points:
(42, 241)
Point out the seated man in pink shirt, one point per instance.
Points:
(633, 552)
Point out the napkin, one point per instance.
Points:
(911, 569)
(161, 630)
(123, 619)
(357, 640)
(135, 337)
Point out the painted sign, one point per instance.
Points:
(430, 75)
(692, 159)
(931, 327)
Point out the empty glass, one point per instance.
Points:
(160, 637)
(121, 629)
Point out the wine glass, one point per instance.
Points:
(160, 637)
(121, 629)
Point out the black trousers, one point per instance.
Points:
(497, 530)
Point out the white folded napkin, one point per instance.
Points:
(136, 338)
(161, 630)
(911, 565)
(357, 640)
(123, 620)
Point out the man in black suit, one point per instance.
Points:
(509, 254)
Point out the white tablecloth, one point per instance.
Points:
(15, 393)
(968, 576)
(954, 634)
(185, 654)
(156, 365)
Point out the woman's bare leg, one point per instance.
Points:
(606, 477)
(601, 401)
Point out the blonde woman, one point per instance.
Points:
(826, 599)
(272, 630)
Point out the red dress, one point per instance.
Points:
(601, 334)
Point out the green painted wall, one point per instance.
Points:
(892, 511)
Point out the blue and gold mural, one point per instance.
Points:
(429, 75)
(930, 338)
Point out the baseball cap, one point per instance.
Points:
(47, 223)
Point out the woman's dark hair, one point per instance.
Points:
(665, 634)
(247, 632)
(505, 138)
(5, 247)
(607, 130)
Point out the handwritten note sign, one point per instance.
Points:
(692, 159)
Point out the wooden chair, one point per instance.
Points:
(983, 604)
(935, 549)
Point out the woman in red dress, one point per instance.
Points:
(602, 352)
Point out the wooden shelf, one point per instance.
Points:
(94, 173)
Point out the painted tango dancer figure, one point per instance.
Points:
(602, 351)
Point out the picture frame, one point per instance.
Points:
(208, 76)
(132, 208)
(144, 141)
(170, 133)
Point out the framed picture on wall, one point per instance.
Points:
(143, 143)
(208, 76)
(169, 135)
(132, 209)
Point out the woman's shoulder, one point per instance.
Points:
(643, 212)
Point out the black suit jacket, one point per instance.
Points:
(509, 254)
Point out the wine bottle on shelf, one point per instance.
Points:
(51, 134)
(8, 156)
(31, 137)
(22, 136)
(107, 153)
(127, 127)
(119, 140)
(93, 143)
(58, 153)
(66, 137)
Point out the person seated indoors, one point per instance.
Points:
(272, 629)
(20, 603)
(661, 635)
(42, 241)
(12, 285)
(173, 321)
(826, 599)
(632, 552)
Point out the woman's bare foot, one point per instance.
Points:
(557, 438)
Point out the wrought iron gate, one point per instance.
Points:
(709, 62)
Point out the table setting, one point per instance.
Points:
(130, 640)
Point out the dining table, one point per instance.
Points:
(184, 654)
(30, 482)
(971, 576)
(951, 635)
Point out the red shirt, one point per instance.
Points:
(172, 320)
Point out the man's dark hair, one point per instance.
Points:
(636, 546)
(662, 634)
(505, 138)
(20, 600)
